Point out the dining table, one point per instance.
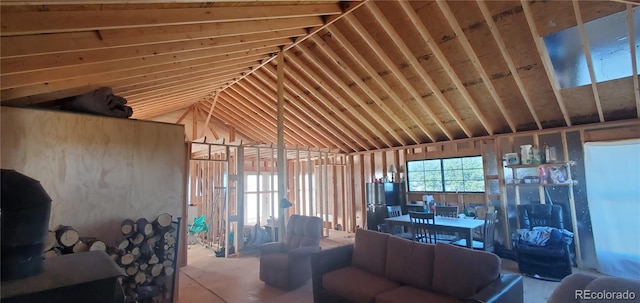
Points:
(463, 226)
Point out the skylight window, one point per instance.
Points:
(608, 39)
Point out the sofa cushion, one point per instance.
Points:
(410, 262)
(462, 272)
(370, 251)
(356, 285)
(407, 294)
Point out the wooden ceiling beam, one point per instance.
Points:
(546, 60)
(415, 65)
(497, 37)
(329, 74)
(239, 109)
(587, 54)
(97, 56)
(160, 34)
(296, 125)
(294, 61)
(252, 132)
(189, 66)
(359, 59)
(154, 112)
(186, 85)
(368, 91)
(442, 59)
(185, 93)
(64, 42)
(634, 67)
(293, 128)
(184, 115)
(345, 122)
(466, 45)
(268, 132)
(45, 22)
(348, 7)
(321, 126)
(179, 80)
(78, 71)
(207, 121)
(263, 84)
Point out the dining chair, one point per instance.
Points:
(395, 211)
(423, 227)
(488, 232)
(449, 212)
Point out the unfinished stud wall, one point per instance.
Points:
(97, 170)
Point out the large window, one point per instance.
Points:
(463, 174)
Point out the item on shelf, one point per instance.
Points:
(542, 174)
(558, 174)
(552, 158)
(531, 180)
(536, 156)
(512, 158)
(525, 153)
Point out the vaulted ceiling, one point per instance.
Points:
(358, 75)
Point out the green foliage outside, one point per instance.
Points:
(446, 175)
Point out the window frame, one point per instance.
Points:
(442, 174)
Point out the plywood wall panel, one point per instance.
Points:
(97, 170)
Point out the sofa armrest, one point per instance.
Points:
(326, 261)
(271, 247)
(302, 252)
(506, 289)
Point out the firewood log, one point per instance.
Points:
(167, 263)
(94, 244)
(143, 266)
(67, 236)
(136, 239)
(132, 269)
(168, 271)
(140, 277)
(79, 247)
(156, 270)
(153, 260)
(123, 245)
(162, 222)
(127, 227)
(144, 227)
(145, 248)
(51, 241)
(126, 260)
(52, 252)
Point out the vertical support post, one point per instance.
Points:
(281, 160)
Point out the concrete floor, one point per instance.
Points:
(207, 278)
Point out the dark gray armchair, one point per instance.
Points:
(286, 265)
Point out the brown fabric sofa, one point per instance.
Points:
(381, 268)
(580, 287)
(285, 265)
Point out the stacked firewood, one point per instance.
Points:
(66, 240)
(147, 252)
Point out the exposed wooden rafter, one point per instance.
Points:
(587, 55)
(426, 35)
(546, 60)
